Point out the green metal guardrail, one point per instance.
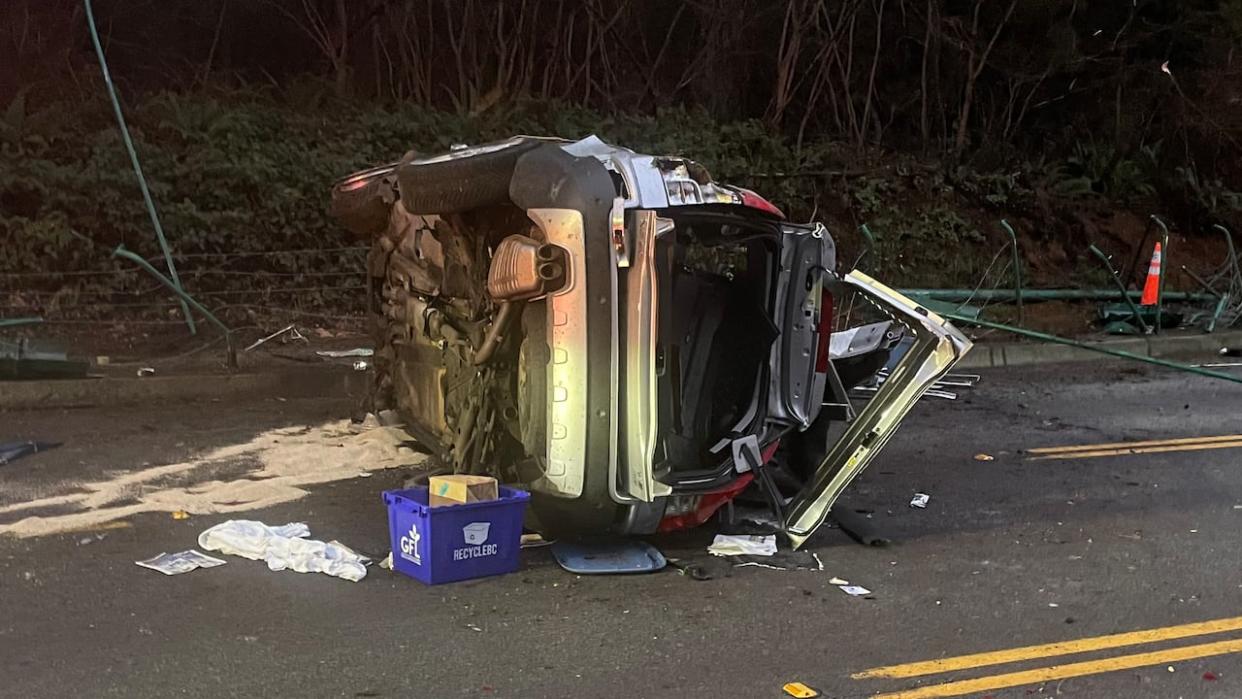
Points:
(133, 159)
(1055, 339)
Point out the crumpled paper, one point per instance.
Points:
(741, 545)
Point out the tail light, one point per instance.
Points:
(825, 332)
(704, 506)
(754, 201)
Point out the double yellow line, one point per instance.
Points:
(1052, 650)
(1156, 446)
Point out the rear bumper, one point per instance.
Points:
(937, 347)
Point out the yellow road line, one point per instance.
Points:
(1138, 450)
(1060, 672)
(1048, 650)
(1148, 443)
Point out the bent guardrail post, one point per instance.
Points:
(1122, 287)
(1222, 299)
(185, 298)
(133, 159)
(1017, 269)
(1236, 280)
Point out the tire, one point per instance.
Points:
(362, 201)
(451, 185)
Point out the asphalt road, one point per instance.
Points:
(1009, 553)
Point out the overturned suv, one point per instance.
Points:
(630, 341)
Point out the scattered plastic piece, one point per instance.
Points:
(283, 548)
(181, 562)
(386, 564)
(984, 457)
(181, 514)
(740, 545)
(1209, 676)
(855, 590)
(799, 690)
(146, 371)
(338, 354)
(838, 581)
(920, 500)
(12, 451)
(756, 564)
(534, 541)
(608, 556)
(361, 365)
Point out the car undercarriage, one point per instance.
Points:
(629, 340)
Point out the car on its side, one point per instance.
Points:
(630, 341)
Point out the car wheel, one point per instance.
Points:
(461, 180)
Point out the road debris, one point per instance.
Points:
(984, 457)
(920, 500)
(781, 560)
(838, 581)
(180, 514)
(608, 556)
(361, 365)
(741, 545)
(284, 547)
(757, 564)
(180, 562)
(855, 590)
(91, 539)
(694, 571)
(799, 690)
(534, 541)
(146, 371)
(12, 451)
(341, 354)
(293, 336)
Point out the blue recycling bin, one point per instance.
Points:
(454, 542)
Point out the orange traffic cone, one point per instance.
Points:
(1151, 289)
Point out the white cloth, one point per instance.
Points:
(730, 545)
(283, 547)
